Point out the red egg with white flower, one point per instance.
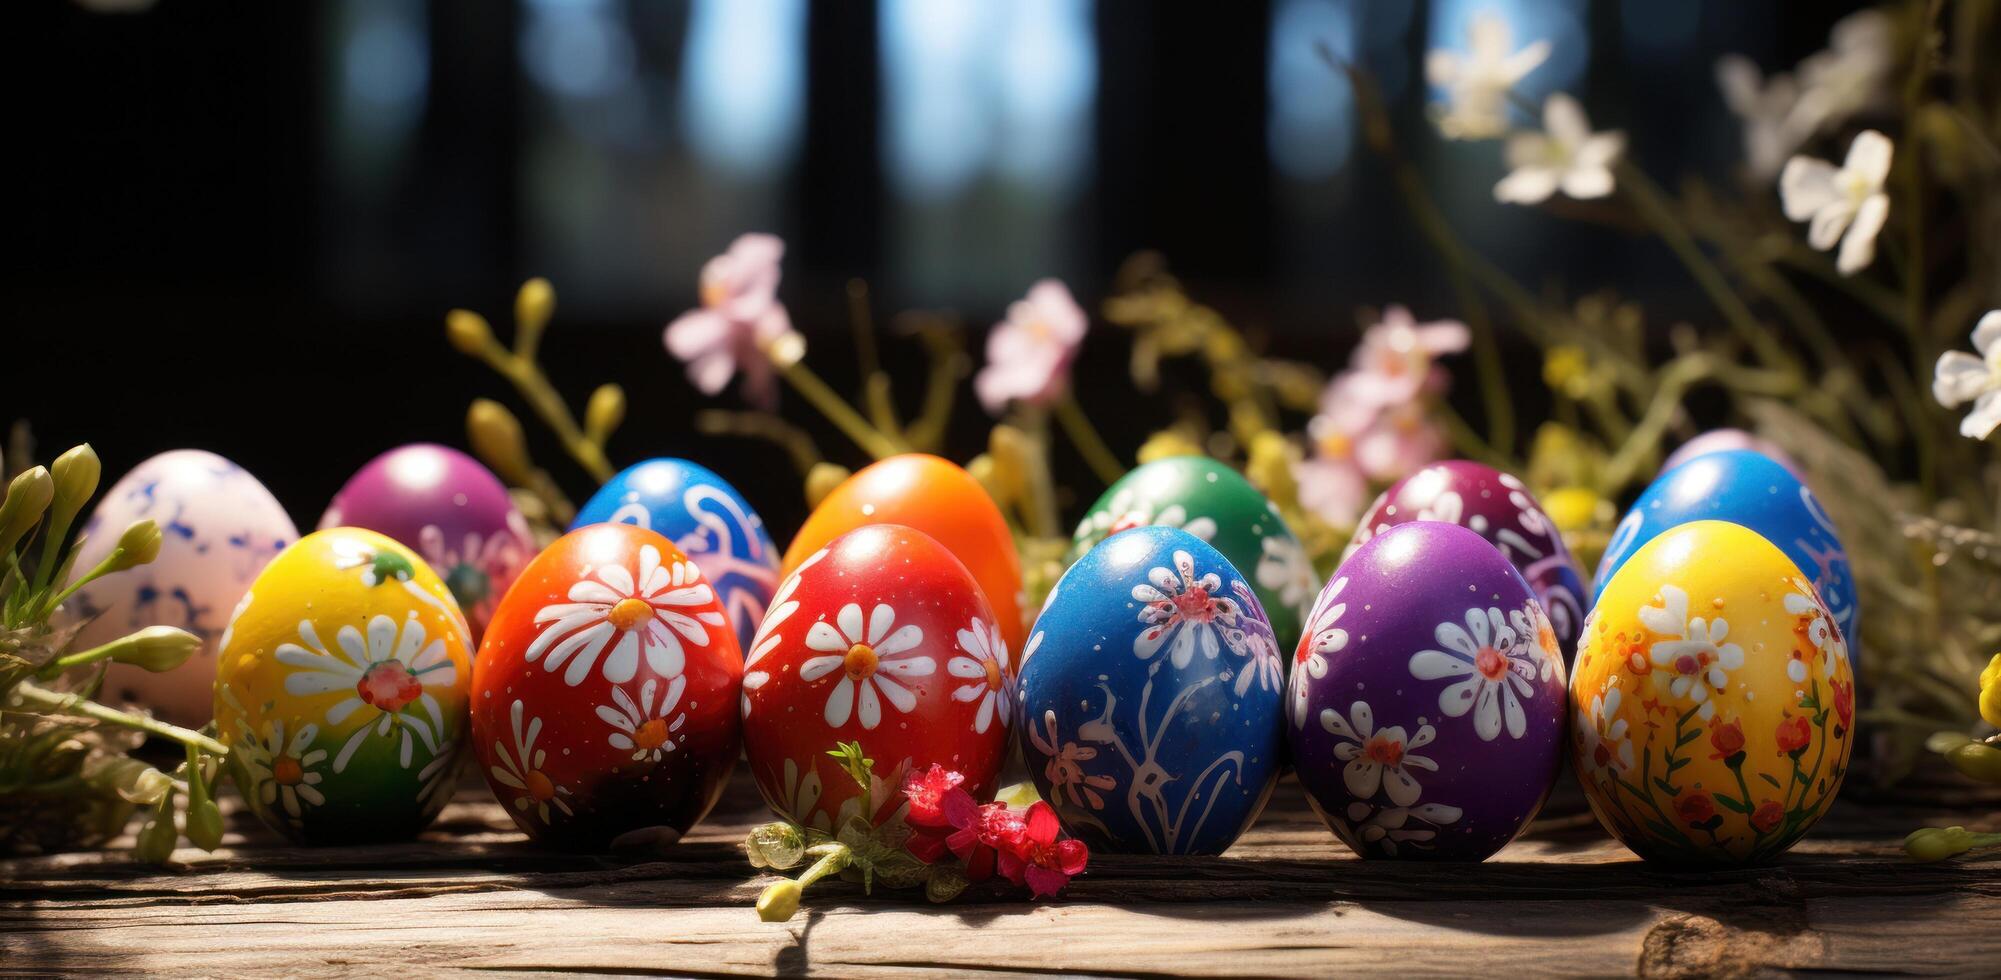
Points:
(882, 638)
(604, 698)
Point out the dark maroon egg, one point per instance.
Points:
(1498, 507)
(1426, 705)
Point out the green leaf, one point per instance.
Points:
(1661, 829)
(1733, 803)
(1687, 737)
(1666, 787)
(1768, 777)
(857, 764)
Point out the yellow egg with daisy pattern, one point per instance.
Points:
(341, 690)
(1713, 702)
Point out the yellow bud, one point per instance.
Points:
(1567, 369)
(138, 545)
(27, 498)
(604, 412)
(1270, 468)
(821, 481)
(1937, 843)
(788, 349)
(75, 474)
(496, 437)
(534, 305)
(1167, 443)
(1990, 692)
(156, 648)
(1572, 508)
(1977, 760)
(779, 902)
(469, 332)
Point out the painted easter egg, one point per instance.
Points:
(218, 527)
(1747, 488)
(604, 697)
(1151, 697)
(1213, 502)
(341, 690)
(1714, 700)
(707, 519)
(1426, 704)
(883, 638)
(1724, 440)
(1497, 506)
(448, 507)
(935, 497)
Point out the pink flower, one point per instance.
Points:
(1332, 487)
(1033, 856)
(740, 320)
(1393, 363)
(928, 792)
(1029, 353)
(1400, 440)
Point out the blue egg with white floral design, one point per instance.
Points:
(1750, 489)
(707, 519)
(1151, 691)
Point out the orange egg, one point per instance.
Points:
(936, 497)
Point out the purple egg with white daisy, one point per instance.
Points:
(1426, 703)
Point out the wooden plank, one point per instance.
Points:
(1288, 900)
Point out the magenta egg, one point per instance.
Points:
(1497, 506)
(1724, 440)
(448, 508)
(1426, 703)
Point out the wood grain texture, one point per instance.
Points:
(1288, 900)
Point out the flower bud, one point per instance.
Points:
(27, 498)
(787, 349)
(156, 648)
(604, 412)
(158, 837)
(1990, 692)
(75, 474)
(138, 545)
(204, 824)
(779, 902)
(534, 305)
(780, 844)
(1977, 760)
(496, 437)
(468, 332)
(821, 481)
(1937, 843)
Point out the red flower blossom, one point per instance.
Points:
(1793, 734)
(1768, 815)
(1035, 858)
(1844, 704)
(927, 792)
(1695, 808)
(981, 835)
(1727, 738)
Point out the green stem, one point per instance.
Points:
(838, 411)
(831, 863)
(1085, 437)
(1645, 438)
(50, 602)
(73, 704)
(1653, 206)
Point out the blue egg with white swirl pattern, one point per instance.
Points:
(1150, 697)
(707, 519)
(1750, 489)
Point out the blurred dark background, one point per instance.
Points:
(239, 224)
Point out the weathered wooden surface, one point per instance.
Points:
(1287, 901)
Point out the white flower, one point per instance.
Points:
(768, 637)
(1496, 665)
(1568, 157)
(1127, 511)
(1962, 377)
(799, 796)
(1183, 608)
(1697, 660)
(520, 769)
(1029, 353)
(1389, 826)
(1324, 640)
(1849, 199)
(1477, 82)
(1804, 601)
(1283, 568)
(644, 728)
(1377, 759)
(1772, 129)
(642, 612)
(866, 656)
(985, 665)
(1850, 76)
(392, 671)
(284, 770)
(1602, 734)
